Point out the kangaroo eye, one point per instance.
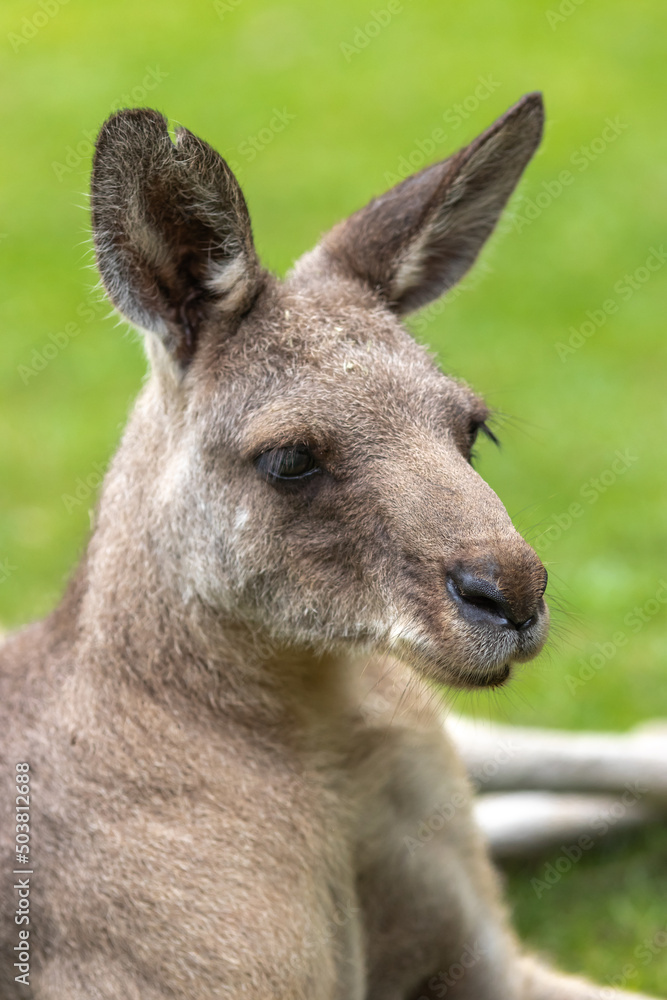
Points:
(288, 463)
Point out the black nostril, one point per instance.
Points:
(482, 601)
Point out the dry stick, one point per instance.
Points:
(546, 773)
(516, 824)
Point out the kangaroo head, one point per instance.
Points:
(298, 462)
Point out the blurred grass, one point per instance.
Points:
(604, 916)
(222, 72)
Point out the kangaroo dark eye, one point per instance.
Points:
(288, 463)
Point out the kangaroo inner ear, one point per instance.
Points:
(416, 241)
(172, 232)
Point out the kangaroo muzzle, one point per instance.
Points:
(499, 601)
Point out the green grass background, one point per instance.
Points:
(356, 113)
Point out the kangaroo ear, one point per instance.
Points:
(171, 228)
(416, 241)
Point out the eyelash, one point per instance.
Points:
(487, 432)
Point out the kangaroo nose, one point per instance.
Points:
(481, 601)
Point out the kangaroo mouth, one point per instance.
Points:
(498, 679)
(464, 654)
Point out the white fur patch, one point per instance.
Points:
(410, 272)
(241, 518)
(230, 282)
(406, 633)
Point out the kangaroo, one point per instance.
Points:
(228, 728)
